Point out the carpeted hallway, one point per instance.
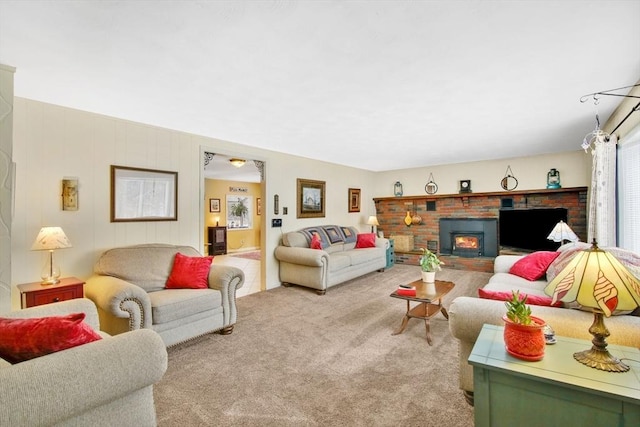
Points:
(299, 359)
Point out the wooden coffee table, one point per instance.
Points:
(429, 304)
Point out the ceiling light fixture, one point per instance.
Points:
(237, 162)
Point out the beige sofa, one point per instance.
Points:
(103, 383)
(128, 287)
(467, 315)
(337, 262)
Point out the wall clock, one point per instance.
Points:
(465, 186)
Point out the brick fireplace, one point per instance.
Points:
(485, 207)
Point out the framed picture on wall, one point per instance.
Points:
(310, 198)
(139, 194)
(214, 205)
(354, 200)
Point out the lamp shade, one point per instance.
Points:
(373, 221)
(50, 238)
(237, 162)
(562, 232)
(595, 278)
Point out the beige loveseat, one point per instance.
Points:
(467, 315)
(338, 261)
(128, 287)
(104, 383)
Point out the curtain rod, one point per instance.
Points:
(594, 95)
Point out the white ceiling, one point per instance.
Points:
(378, 85)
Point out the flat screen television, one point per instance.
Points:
(528, 228)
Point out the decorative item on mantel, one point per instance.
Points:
(429, 263)
(431, 187)
(509, 182)
(597, 280)
(397, 189)
(553, 179)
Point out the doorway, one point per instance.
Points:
(233, 215)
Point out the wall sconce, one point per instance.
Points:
(69, 194)
(237, 162)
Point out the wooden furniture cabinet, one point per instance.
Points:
(217, 237)
(557, 390)
(33, 294)
(391, 254)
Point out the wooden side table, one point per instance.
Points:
(33, 294)
(556, 390)
(428, 304)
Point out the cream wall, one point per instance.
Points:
(6, 183)
(52, 142)
(485, 176)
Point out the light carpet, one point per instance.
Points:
(299, 359)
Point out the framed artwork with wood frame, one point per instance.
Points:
(214, 205)
(139, 194)
(354, 200)
(310, 197)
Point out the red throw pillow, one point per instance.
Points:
(316, 243)
(533, 266)
(506, 296)
(24, 339)
(189, 272)
(366, 240)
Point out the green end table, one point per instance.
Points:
(556, 390)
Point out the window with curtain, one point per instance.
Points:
(629, 191)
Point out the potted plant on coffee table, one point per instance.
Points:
(523, 333)
(429, 263)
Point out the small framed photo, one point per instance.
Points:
(214, 205)
(354, 200)
(310, 198)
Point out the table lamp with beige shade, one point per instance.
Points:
(50, 239)
(373, 222)
(596, 279)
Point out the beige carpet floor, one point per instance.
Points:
(299, 359)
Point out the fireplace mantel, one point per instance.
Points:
(486, 194)
(391, 212)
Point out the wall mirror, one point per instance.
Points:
(143, 194)
(509, 182)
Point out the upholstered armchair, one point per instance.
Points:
(129, 289)
(102, 383)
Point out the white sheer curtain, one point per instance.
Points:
(629, 191)
(602, 203)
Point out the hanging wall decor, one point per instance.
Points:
(70, 194)
(431, 187)
(509, 182)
